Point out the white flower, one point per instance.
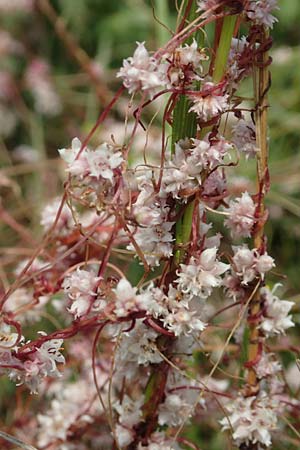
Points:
(12, 6)
(209, 102)
(252, 420)
(69, 405)
(38, 80)
(124, 436)
(208, 155)
(276, 317)
(174, 411)
(248, 264)
(80, 287)
(142, 72)
(22, 303)
(65, 221)
(8, 340)
(206, 5)
(158, 441)
(182, 321)
(138, 346)
(155, 242)
(102, 161)
(260, 12)
(241, 216)
(126, 300)
(77, 165)
(264, 263)
(98, 163)
(190, 54)
(203, 274)
(267, 366)
(48, 355)
(244, 138)
(40, 364)
(130, 412)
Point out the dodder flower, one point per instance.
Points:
(276, 316)
(209, 102)
(260, 12)
(252, 420)
(201, 275)
(142, 72)
(241, 216)
(80, 286)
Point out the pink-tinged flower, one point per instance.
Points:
(38, 80)
(102, 161)
(236, 68)
(65, 221)
(251, 420)
(81, 288)
(276, 318)
(267, 366)
(241, 216)
(130, 411)
(8, 45)
(142, 72)
(40, 364)
(155, 242)
(174, 410)
(208, 155)
(264, 263)
(208, 6)
(126, 300)
(244, 138)
(201, 275)
(248, 264)
(137, 347)
(98, 163)
(190, 55)
(181, 321)
(260, 12)
(209, 102)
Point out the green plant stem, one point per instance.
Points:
(161, 10)
(223, 48)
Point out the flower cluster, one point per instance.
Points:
(134, 274)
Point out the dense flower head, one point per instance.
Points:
(244, 138)
(241, 216)
(39, 364)
(252, 420)
(53, 212)
(260, 12)
(276, 316)
(249, 264)
(143, 72)
(81, 288)
(209, 102)
(201, 275)
(98, 163)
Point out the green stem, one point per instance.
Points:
(162, 14)
(224, 47)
